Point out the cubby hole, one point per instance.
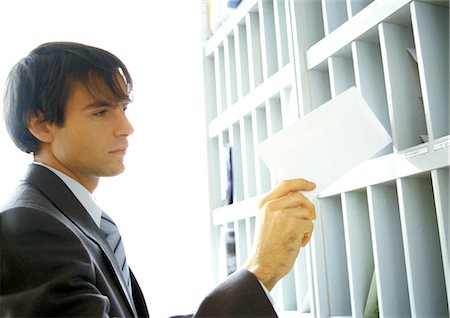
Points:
(335, 256)
(242, 60)
(424, 263)
(303, 290)
(268, 38)
(281, 32)
(431, 35)
(219, 70)
(355, 6)
(359, 252)
(342, 74)
(249, 149)
(241, 242)
(260, 133)
(236, 151)
(388, 250)
(320, 86)
(309, 25)
(369, 80)
(334, 14)
(210, 89)
(230, 70)
(273, 106)
(403, 88)
(254, 49)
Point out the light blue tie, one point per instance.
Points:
(114, 239)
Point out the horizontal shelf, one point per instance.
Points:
(236, 211)
(293, 314)
(227, 26)
(354, 28)
(252, 100)
(414, 160)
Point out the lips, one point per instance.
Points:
(121, 150)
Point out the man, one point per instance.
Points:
(65, 103)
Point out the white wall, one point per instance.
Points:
(160, 202)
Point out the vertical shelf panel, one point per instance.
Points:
(335, 256)
(431, 32)
(359, 248)
(254, 49)
(402, 84)
(393, 299)
(426, 281)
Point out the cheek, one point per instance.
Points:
(73, 144)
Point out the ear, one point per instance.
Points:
(39, 127)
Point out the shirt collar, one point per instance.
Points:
(86, 198)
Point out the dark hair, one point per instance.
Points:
(41, 83)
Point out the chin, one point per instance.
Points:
(115, 171)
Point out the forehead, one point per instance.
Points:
(97, 88)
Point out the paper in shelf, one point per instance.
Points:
(326, 143)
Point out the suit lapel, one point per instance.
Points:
(56, 191)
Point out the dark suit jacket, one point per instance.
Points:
(55, 262)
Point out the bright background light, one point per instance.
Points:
(160, 202)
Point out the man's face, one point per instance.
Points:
(93, 140)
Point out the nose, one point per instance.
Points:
(123, 126)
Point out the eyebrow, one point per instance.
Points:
(98, 104)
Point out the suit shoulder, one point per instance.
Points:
(25, 196)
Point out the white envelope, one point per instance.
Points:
(326, 143)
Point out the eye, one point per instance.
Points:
(101, 113)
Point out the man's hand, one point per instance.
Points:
(285, 224)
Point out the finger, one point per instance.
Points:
(286, 187)
(306, 203)
(294, 200)
(299, 213)
(308, 230)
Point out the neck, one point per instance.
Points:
(90, 183)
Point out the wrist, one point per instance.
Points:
(262, 273)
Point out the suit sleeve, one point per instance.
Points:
(45, 271)
(241, 295)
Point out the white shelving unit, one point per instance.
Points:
(272, 62)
